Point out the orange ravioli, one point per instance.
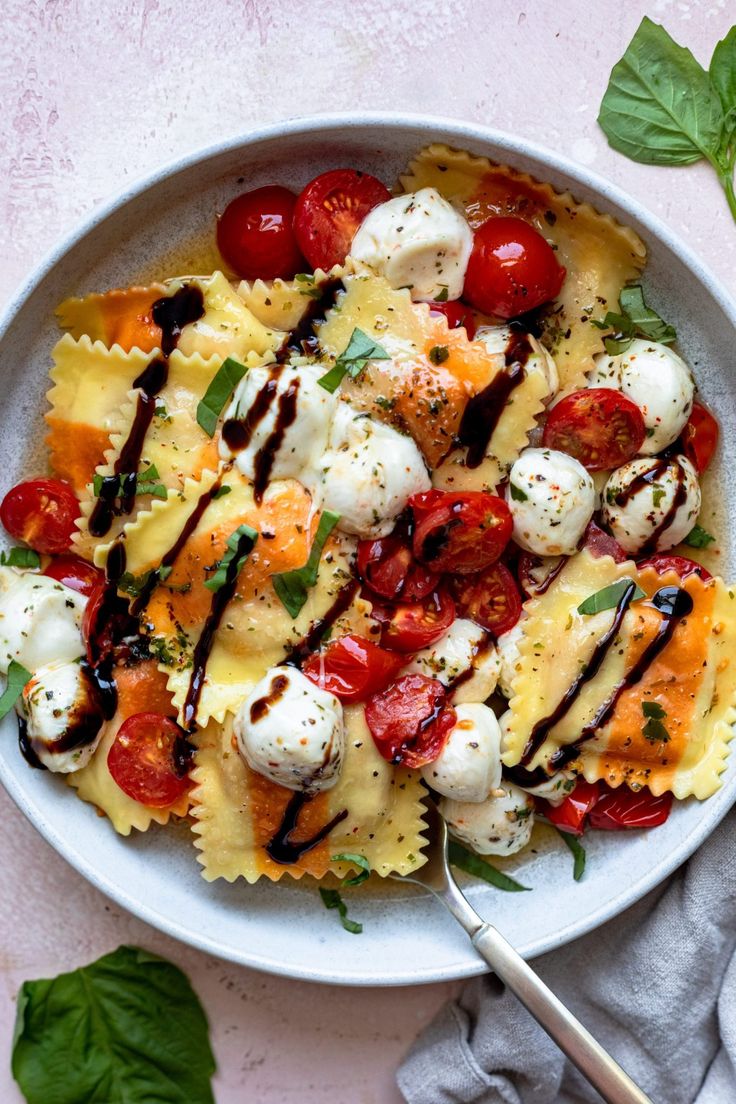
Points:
(120, 317)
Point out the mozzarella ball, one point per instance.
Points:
(417, 241)
(40, 620)
(552, 498)
(469, 766)
(304, 441)
(500, 825)
(496, 340)
(658, 381)
(64, 716)
(291, 732)
(368, 473)
(640, 503)
(464, 646)
(507, 646)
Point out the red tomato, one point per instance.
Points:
(409, 626)
(599, 427)
(681, 565)
(600, 543)
(41, 512)
(512, 269)
(625, 808)
(105, 624)
(700, 437)
(491, 599)
(410, 721)
(256, 237)
(388, 568)
(460, 532)
(352, 668)
(149, 760)
(329, 211)
(569, 816)
(457, 314)
(75, 573)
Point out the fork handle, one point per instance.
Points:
(585, 1052)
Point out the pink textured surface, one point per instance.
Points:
(96, 94)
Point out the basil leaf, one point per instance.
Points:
(698, 537)
(292, 586)
(210, 406)
(723, 78)
(578, 853)
(18, 676)
(654, 730)
(332, 899)
(128, 1027)
(609, 597)
(471, 863)
(145, 483)
(233, 544)
(221, 492)
(360, 349)
(659, 107)
(517, 494)
(644, 320)
(356, 860)
(20, 557)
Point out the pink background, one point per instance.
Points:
(96, 94)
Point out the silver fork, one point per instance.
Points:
(585, 1052)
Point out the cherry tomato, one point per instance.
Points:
(256, 237)
(599, 427)
(75, 573)
(457, 314)
(570, 814)
(149, 760)
(386, 565)
(105, 623)
(600, 543)
(409, 626)
(700, 437)
(461, 532)
(41, 512)
(329, 211)
(410, 721)
(537, 573)
(491, 599)
(352, 668)
(681, 565)
(625, 808)
(512, 269)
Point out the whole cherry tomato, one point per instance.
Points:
(352, 668)
(329, 211)
(512, 269)
(599, 427)
(570, 815)
(41, 512)
(75, 573)
(387, 566)
(700, 437)
(625, 808)
(457, 314)
(460, 532)
(681, 565)
(410, 721)
(410, 626)
(491, 599)
(255, 234)
(149, 760)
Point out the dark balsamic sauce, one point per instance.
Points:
(25, 746)
(281, 848)
(520, 776)
(266, 455)
(484, 410)
(300, 652)
(483, 646)
(302, 339)
(261, 707)
(237, 432)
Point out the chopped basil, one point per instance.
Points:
(356, 860)
(471, 863)
(18, 676)
(221, 492)
(653, 729)
(578, 853)
(136, 584)
(609, 597)
(438, 354)
(146, 482)
(233, 543)
(442, 297)
(228, 376)
(20, 557)
(292, 586)
(658, 494)
(332, 899)
(635, 320)
(698, 537)
(517, 494)
(360, 349)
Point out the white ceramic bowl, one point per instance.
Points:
(407, 938)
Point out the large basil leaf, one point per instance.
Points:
(723, 78)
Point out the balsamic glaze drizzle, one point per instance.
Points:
(302, 339)
(281, 848)
(264, 459)
(483, 646)
(483, 411)
(25, 746)
(646, 479)
(300, 652)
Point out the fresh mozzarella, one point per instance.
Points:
(658, 381)
(500, 825)
(640, 503)
(40, 620)
(469, 765)
(552, 498)
(369, 473)
(63, 716)
(509, 656)
(418, 241)
(464, 646)
(304, 439)
(496, 339)
(291, 732)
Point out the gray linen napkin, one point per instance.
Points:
(657, 987)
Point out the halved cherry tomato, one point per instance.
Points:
(352, 668)
(570, 814)
(460, 532)
(600, 543)
(491, 599)
(255, 234)
(512, 269)
(409, 626)
(700, 437)
(599, 427)
(41, 512)
(386, 565)
(681, 565)
(329, 211)
(149, 760)
(75, 573)
(457, 314)
(410, 721)
(625, 808)
(105, 623)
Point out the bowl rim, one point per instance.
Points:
(509, 146)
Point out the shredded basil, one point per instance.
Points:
(18, 676)
(698, 537)
(332, 899)
(210, 406)
(635, 320)
(609, 597)
(471, 863)
(442, 297)
(356, 860)
(221, 492)
(20, 557)
(654, 729)
(146, 482)
(233, 542)
(517, 494)
(292, 586)
(578, 853)
(360, 349)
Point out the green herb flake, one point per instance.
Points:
(654, 730)
(360, 349)
(355, 860)
(146, 482)
(610, 596)
(517, 494)
(233, 543)
(332, 899)
(442, 297)
(18, 676)
(578, 853)
(209, 408)
(221, 492)
(20, 557)
(292, 586)
(698, 537)
(471, 863)
(438, 354)
(658, 494)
